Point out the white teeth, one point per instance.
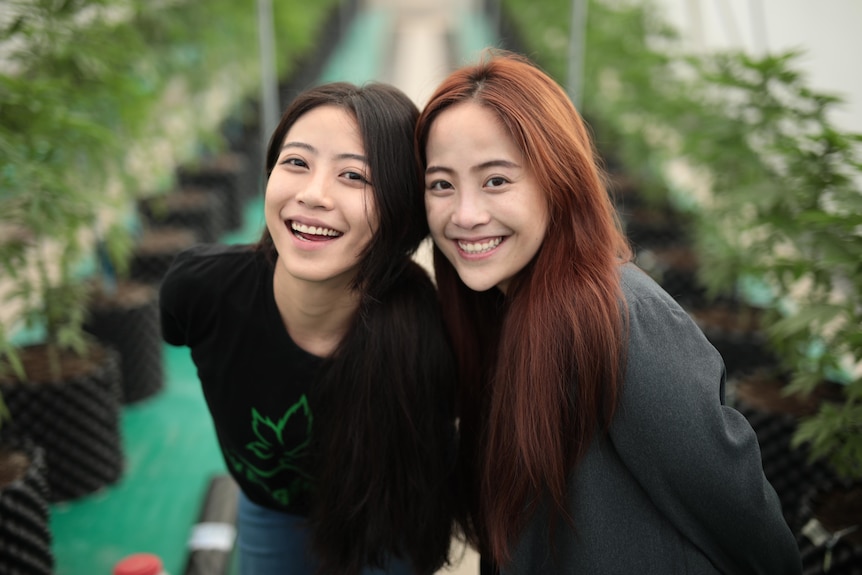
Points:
(478, 248)
(313, 231)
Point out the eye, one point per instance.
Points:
(294, 161)
(496, 182)
(439, 187)
(355, 176)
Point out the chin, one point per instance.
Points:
(478, 284)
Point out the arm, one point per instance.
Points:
(698, 459)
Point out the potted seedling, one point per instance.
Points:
(796, 229)
(61, 386)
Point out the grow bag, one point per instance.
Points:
(830, 540)
(188, 207)
(25, 536)
(75, 420)
(156, 250)
(774, 418)
(222, 176)
(128, 321)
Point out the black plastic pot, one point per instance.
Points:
(734, 330)
(774, 418)
(653, 226)
(222, 176)
(830, 540)
(189, 207)
(128, 320)
(25, 535)
(156, 250)
(75, 420)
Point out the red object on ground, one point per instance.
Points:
(139, 564)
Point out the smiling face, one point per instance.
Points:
(485, 209)
(319, 203)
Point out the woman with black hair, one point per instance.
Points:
(321, 349)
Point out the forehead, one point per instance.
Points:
(327, 124)
(467, 131)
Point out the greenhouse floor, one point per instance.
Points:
(169, 443)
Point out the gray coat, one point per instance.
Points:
(677, 486)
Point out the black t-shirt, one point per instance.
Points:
(218, 300)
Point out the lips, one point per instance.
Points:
(313, 233)
(479, 247)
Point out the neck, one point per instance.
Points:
(316, 314)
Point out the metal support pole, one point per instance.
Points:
(577, 47)
(268, 73)
(495, 17)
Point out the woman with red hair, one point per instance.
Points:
(594, 435)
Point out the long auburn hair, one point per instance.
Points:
(542, 367)
(383, 432)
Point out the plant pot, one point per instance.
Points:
(156, 250)
(624, 190)
(830, 540)
(25, 535)
(128, 321)
(187, 207)
(75, 420)
(734, 329)
(774, 416)
(221, 175)
(649, 226)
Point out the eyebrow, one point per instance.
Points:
(313, 150)
(476, 168)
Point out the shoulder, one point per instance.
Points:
(210, 267)
(665, 346)
(206, 270)
(206, 260)
(638, 287)
(649, 306)
(204, 281)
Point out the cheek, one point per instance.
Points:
(269, 199)
(274, 190)
(545, 221)
(435, 211)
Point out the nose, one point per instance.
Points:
(470, 210)
(315, 193)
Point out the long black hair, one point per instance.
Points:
(383, 424)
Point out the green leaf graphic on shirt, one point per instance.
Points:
(268, 456)
(270, 442)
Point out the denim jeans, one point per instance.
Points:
(274, 543)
